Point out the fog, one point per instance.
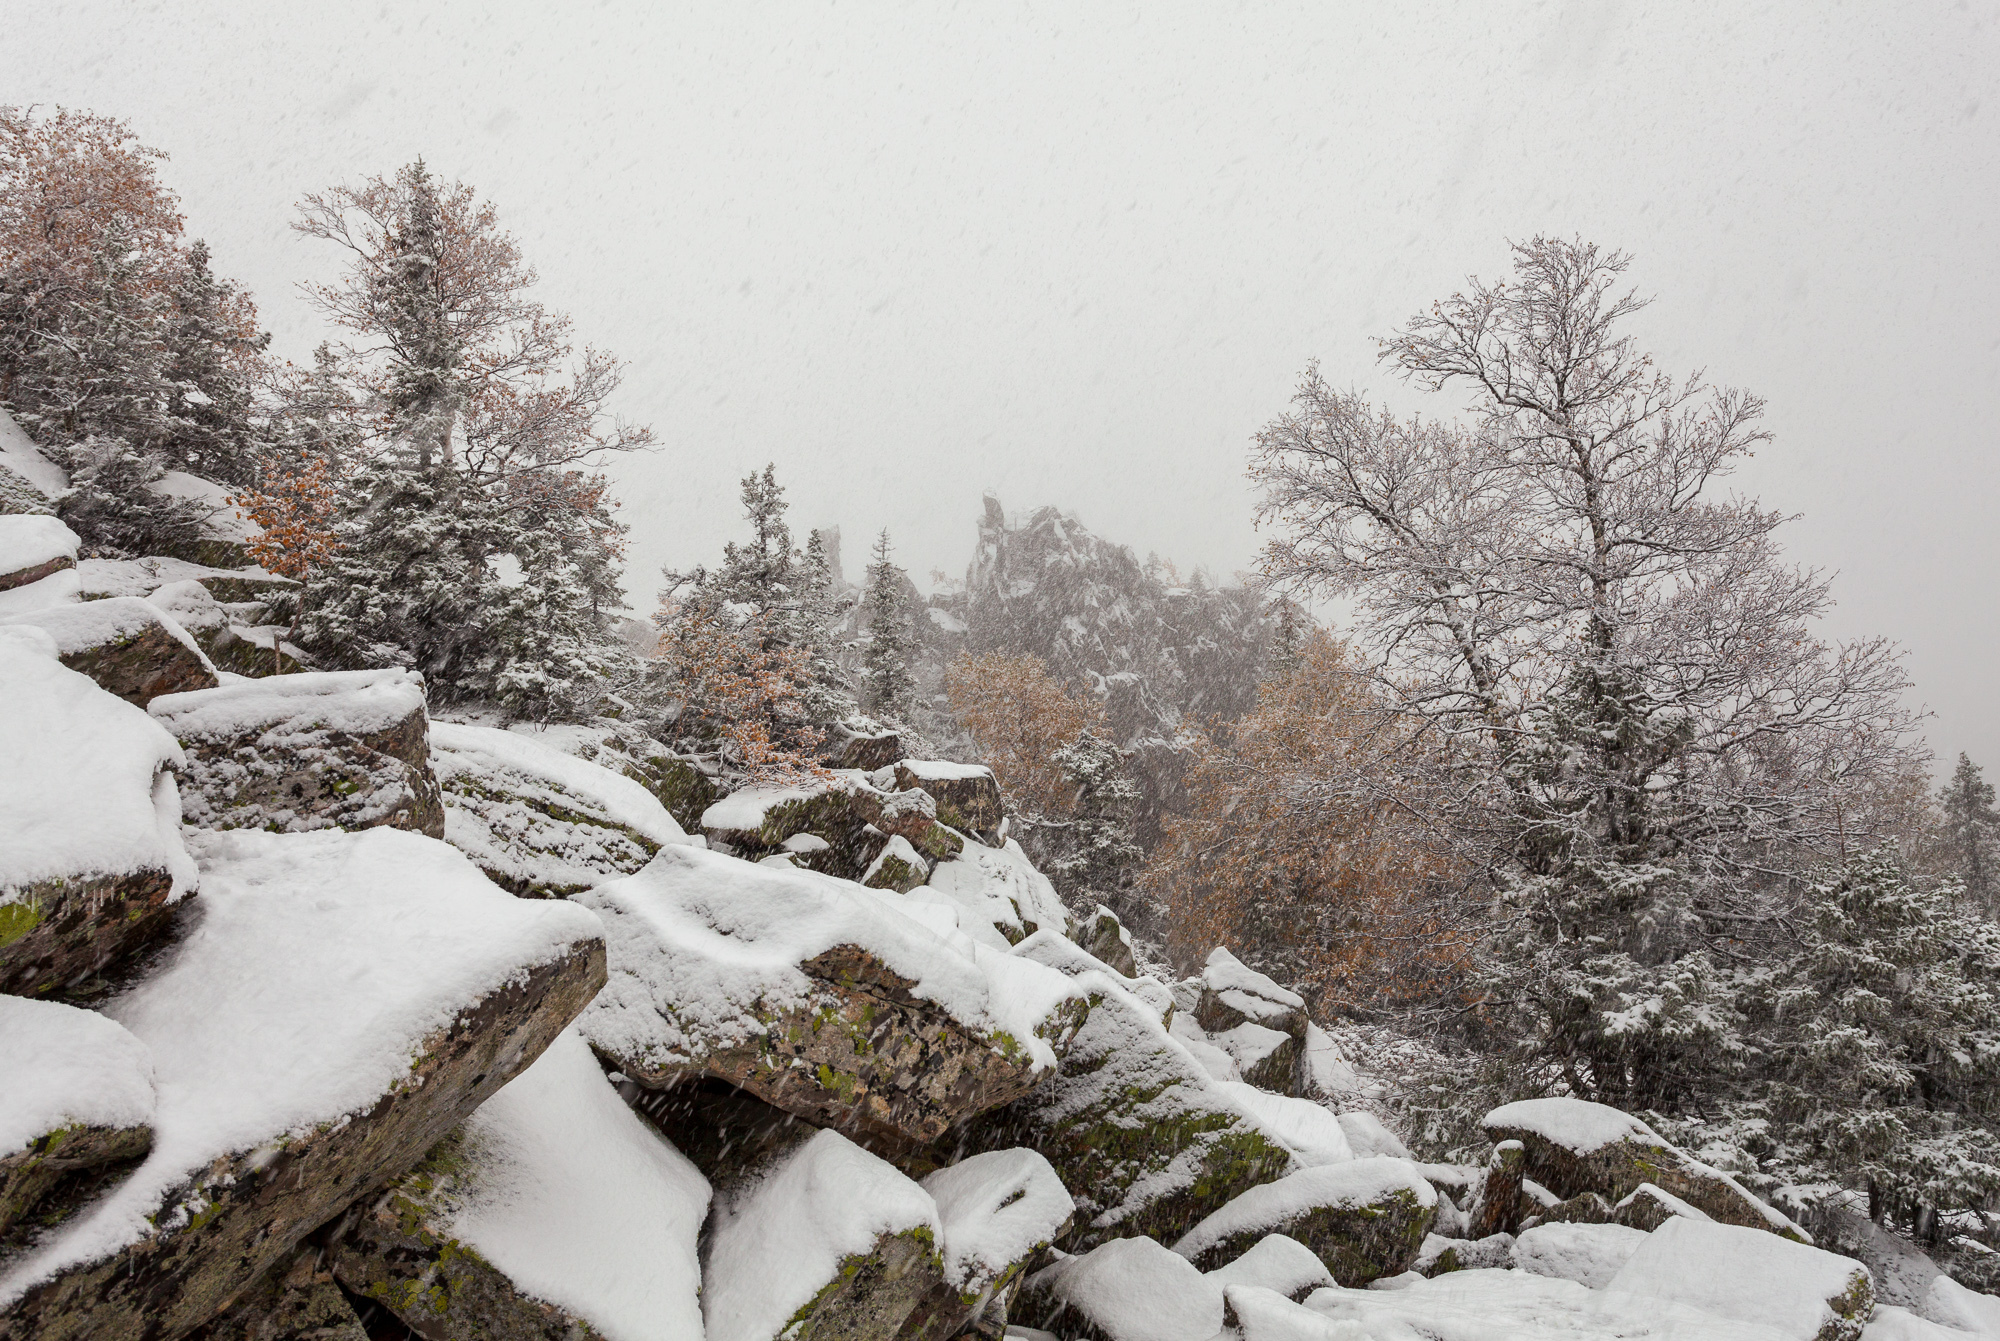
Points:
(1078, 254)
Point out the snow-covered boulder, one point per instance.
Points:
(1367, 1136)
(1573, 1146)
(225, 530)
(33, 547)
(91, 855)
(912, 816)
(1266, 1058)
(345, 1001)
(830, 1242)
(819, 996)
(1735, 1272)
(1587, 1254)
(78, 1098)
(1129, 1289)
(840, 809)
(1144, 1138)
(293, 753)
(1000, 889)
(1276, 1262)
(967, 795)
(1364, 1219)
(1441, 1253)
(898, 867)
(228, 643)
(551, 1209)
(999, 1210)
(127, 645)
(539, 821)
(1233, 995)
(1645, 1208)
(1106, 938)
(1313, 1135)
(99, 578)
(1499, 1207)
(29, 481)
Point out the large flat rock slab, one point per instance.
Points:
(821, 997)
(33, 546)
(93, 854)
(344, 1001)
(295, 753)
(129, 646)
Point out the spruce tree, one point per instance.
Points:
(209, 349)
(886, 659)
(1972, 831)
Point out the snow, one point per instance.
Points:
(1308, 1130)
(225, 521)
(1327, 1068)
(1587, 1254)
(1357, 1182)
(898, 848)
(356, 702)
(1249, 1043)
(777, 1242)
(702, 945)
(1962, 1308)
(1001, 887)
(455, 747)
(58, 588)
(1135, 1290)
(1275, 1262)
(1667, 1200)
(19, 454)
(996, 1209)
(143, 577)
(80, 627)
(1367, 1136)
(1494, 1305)
(320, 964)
(85, 790)
(943, 770)
(29, 541)
(745, 810)
(582, 1204)
(1214, 1060)
(1224, 973)
(1574, 1124)
(1746, 1274)
(946, 621)
(67, 1067)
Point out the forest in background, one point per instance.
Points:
(1579, 802)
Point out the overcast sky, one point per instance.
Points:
(1077, 253)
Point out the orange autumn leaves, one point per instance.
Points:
(1291, 853)
(1020, 716)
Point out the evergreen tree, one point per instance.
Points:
(1097, 854)
(210, 353)
(886, 660)
(1972, 832)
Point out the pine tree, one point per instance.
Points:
(1098, 856)
(886, 660)
(210, 354)
(1972, 832)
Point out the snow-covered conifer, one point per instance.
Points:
(886, 659)
(1972, 833)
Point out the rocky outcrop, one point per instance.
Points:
(1572, 1147)
(1130, 1289)
(1143, 1137)
(350, 999)
(1499, 1207)
(1364, 1219)
(33, 546)
(126, 645)
(999, 1212)
(810, 995)
(967, 795)
(76, 1111)
(294, 753)
(550, 1213)
(93, 858)
(228, 644)
(540, 822)
(1758, 1278)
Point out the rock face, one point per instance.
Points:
(552, 1212)
(227, 644)
(830, 1243)
(999, 1211)
(296, 1300)
(1574, 1147)
(1499, 1209)
(294, 753)
(1739, 1273)
(127, 645)
(1143, 1137)
(540, 822)
(1129, 1289)
(967, 795)
(93, 857)
(1364, 1219)
(815, 998)
(348, 1000)
(77, 1108)
(1233, 995)
(999, 888)
(33, 546)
